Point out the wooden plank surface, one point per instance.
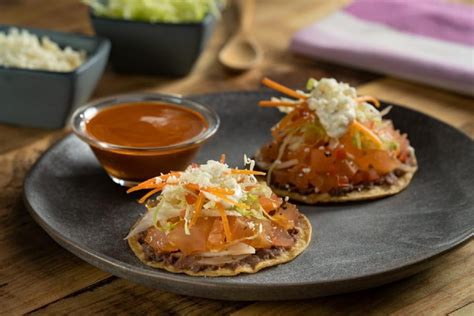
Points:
(38, 276)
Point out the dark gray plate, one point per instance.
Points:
(354, 246)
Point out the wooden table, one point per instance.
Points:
(38, 276)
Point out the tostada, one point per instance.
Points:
(212, 220)
(334, 146)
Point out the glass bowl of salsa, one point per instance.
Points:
(138, 136)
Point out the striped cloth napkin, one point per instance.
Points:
(428, 41)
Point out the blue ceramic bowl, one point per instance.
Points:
(154, 48)
(41, 98)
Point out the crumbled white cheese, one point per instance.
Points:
(172, 180)
(335, 105)
(21, 49)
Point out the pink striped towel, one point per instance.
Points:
(428, 41)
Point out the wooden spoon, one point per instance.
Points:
(242, 51)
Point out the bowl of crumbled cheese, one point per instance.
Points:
(45, 75)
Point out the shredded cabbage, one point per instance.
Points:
(366, 112)
(311, 83)
(169, 11)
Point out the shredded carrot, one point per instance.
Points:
(370, 99)
(192, 186)
(285, 90)
(151, 183)
(278, 103)
(197, 209)
(146, 196)
(224, 191)
(143, 187)
(225, 221)
(238, 171)
(223, 197)
(222, 160)
(367, 133)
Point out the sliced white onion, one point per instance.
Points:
(295, 143)
(385, 111)
(250, 162)
(212, 197)
(145, 222)
(286, 164)
(281, 151)
(263, 165)
(234, 250)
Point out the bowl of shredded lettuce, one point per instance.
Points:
(161, 11)
(155, 37)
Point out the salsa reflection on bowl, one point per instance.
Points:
(136, 137)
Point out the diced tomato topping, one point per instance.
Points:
(263, 239)
(191, 198)
(342, 181)
(268, 204)
(379, 160)
(317, 180)
(216, 237)
(347, 168)
(340, 153)
(321, 160)
(330, 182)
(196, 241)
(208, 233)
(280, 237)
(299, 178)
(240, 228)
(158, 241)
(372, 175)
(286, 216)
(327, 168)
(359, 177)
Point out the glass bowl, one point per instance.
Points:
(129, 165)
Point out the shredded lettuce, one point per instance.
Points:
(356, 140)
(314, 128)
(168, 227)
(251, 213)
(393, 145)
(366, 112)
(310, 84)
(168, 11)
